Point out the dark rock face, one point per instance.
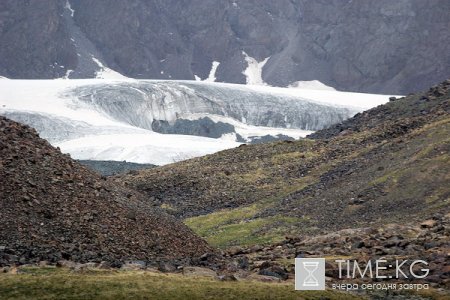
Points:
(208, 128)
(372, 46)
(270, 138)
(201, 127)
(52, 208)
(34, 40)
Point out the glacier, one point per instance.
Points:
(128, 119)
(140, 103)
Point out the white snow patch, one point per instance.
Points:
(311, 85)
(253, 72)
(229, 137)
(105, 72)
(68, 72)
(151, 147)
(360, 101)
(197, 78)
(212, 73)
(44, 96)
(72, 12)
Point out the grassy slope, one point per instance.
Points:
(393, 165)
(55, 283)
(408, 184)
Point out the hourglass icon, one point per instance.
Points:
(310, 267)
(310, 274)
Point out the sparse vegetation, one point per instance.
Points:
(56, 283)
(387, 164)
(230, 227)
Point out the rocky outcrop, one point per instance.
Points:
(55, 209)
(371, 46)
(405, 242)
(201, 127)
(393, 47)
(401, 108)
(34, 40)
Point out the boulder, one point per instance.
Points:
(198, 271)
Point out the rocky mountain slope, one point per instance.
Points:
(35, 40)
(55, 209)
(384, 46)
(388, 164)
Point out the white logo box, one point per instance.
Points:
(310, 274)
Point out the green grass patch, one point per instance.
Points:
(64, 284)
(242, 226)
(224, 229)
(389, 177)
(281, 159)
(223, 217)
(247, 178)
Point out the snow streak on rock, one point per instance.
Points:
(253, 72)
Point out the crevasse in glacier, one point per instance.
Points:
(123, 119)
(141, 103)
